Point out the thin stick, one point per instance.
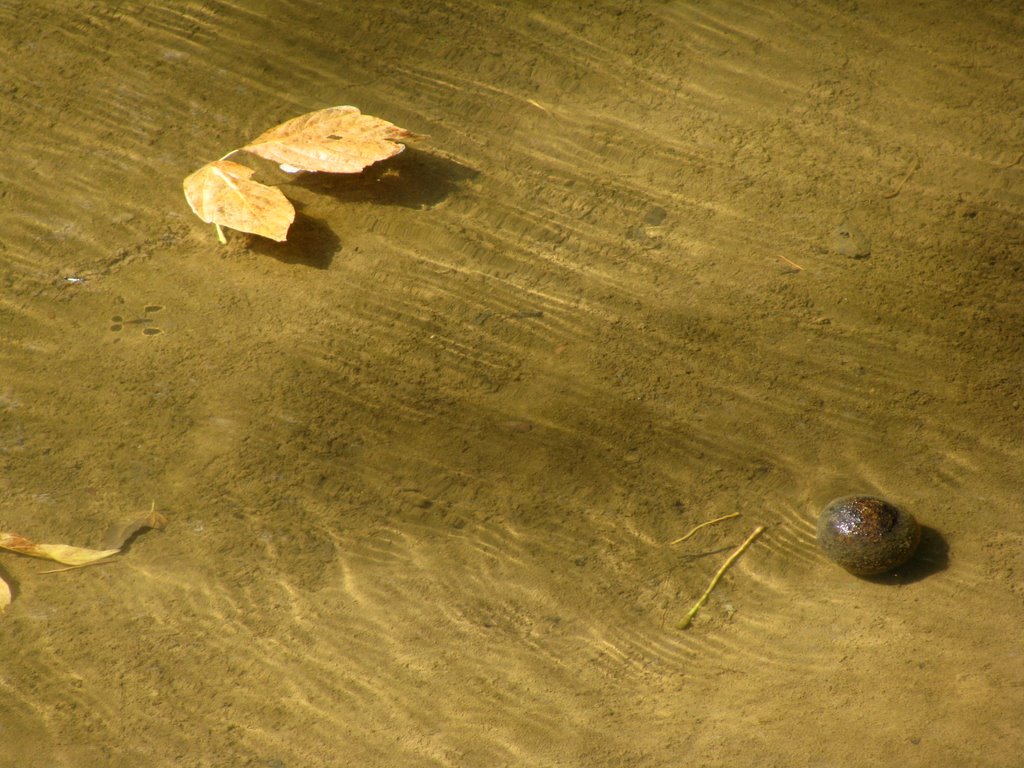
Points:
(790, 262)
(702, 525)
(899, 187)
(731, 559)
(83, 565)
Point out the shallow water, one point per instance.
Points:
(422, 462)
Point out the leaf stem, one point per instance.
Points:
(703, 525)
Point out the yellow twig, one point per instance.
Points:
(702, 525)
(725, 566)
(790, 262)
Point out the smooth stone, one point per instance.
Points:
(867, 535)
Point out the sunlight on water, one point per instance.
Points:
(423, 462)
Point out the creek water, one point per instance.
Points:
(654, 263)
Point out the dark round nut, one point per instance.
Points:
(867, 535)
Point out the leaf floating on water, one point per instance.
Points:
(75, 557)
(335, 140)
(223, 193)
(62, 553)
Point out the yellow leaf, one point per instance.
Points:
(222, 193)
(336, 140)
(62, 553)
(75, 557)
(69, 555)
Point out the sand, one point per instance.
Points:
(422, 463)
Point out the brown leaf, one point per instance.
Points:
(336, 140)
(222, 193)
(62, 553)
(118, 536)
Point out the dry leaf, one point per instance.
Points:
(62, 553)
(222, 193)
(336, 140)
(75, 556)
